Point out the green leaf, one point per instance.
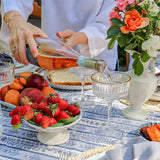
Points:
(57, 125)
(113, 31)
(135, 55)
(140, 38)
(17, 126)
(122, 41)
(131, 46)
(76, 104)
(130, 40)
(112, 42)
(31, 122)
(135, 62)
(138, 67)
(116, 21)
(145, 57)
(69, 120)
(53, 108)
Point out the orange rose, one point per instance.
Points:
(134, 21)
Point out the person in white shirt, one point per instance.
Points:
(82, 24)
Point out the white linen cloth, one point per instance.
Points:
(88, 16)
(140, 150)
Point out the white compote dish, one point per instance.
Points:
(54, 135)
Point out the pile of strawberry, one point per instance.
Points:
(52, 111)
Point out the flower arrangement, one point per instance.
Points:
(135, 24)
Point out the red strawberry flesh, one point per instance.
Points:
(52, 121)
(25, 108)
(63, 115)
(73, 109)
(38, 118)
(63, 104)
(45, 122)
(29, 115)
(16, 119)
(15, 111)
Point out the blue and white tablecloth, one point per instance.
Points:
(23, 144)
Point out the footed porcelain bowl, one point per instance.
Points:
(54, 135)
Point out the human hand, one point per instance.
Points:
(72, 38)
(22, 33)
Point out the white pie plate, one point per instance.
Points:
(69, 87)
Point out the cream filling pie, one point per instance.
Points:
(65, 77)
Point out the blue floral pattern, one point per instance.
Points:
(23, 143)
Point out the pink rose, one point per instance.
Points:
(121, 6)
(131, 1)
(114, 14)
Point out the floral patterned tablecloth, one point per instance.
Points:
(23, 144)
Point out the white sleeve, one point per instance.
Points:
(96, 31)
(24, 7)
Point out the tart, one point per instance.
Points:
(65, 77)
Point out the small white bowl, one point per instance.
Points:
(54, 135)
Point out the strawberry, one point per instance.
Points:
(53, 98)
(49, 113)
(16, 119)
(73, 109)
(56, 113)
(11, 114)
(18, 78)
(63, 104)
(42, 106)
(35, 106)
(45, 122)
(38, 118)
(25, 108)
(46, 83)
(52, 121)
(41, 98)
(63, 115)
(54, 109)
(15, 111)
(29, 115)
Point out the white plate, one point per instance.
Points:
(24, 68)
(155, 96)
(7, 104)
(19, 66)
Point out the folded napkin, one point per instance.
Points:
(147, 151)
(140, 150)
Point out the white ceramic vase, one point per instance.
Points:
(141, 89)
